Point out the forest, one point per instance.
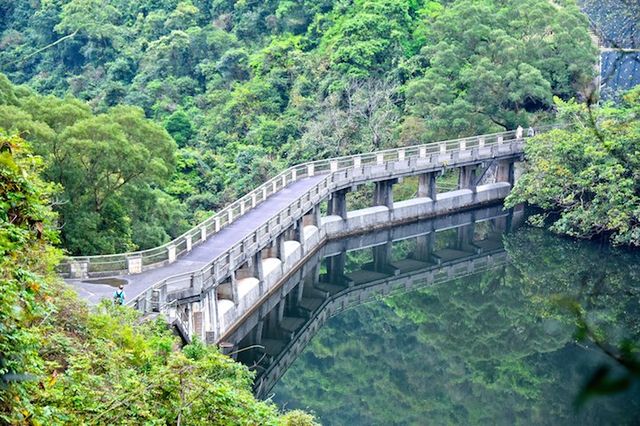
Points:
(62, 362)
(123, 123)
(222, 95)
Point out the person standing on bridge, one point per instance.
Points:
(519, 132)
(118, 296)
(530, 132)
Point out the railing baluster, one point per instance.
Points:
(346, 166)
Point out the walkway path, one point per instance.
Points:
(201, 254)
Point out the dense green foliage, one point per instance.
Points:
(25, 229)
(498, 347)
(111, 167)
(61, 364)
(587, 176)
(246, 88)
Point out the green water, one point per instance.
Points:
(499, 347)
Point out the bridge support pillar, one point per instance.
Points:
(383, 193)
(315, 214)
(234, 289)
(505, 171)
(257, 337)
(382, 260)
(338, 204)
(256, 266)
(299, 233)
(312, 217)
(212, 310)
(424, 247)
(427, 185)
(280, 308)
(278, 245)
(503, 224)
(465, 238)
(335, 268)
(467, 178)
(312, 277)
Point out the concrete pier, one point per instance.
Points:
(220, 272)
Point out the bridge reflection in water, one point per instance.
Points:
(351, 271)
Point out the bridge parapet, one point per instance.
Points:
(214, 284)
(341, 172)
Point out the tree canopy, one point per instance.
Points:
(112, 168)
(247, 88)
(585, 176)
(63, 364)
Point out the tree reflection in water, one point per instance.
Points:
(516, 344)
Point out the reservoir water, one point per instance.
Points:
(468, 319)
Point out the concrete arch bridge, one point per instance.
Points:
(228, 265)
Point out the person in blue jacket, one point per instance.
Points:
(118, 296)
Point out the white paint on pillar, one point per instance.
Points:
(310, 170)
(230, 215)
(171, 253)
(206, 314)
(380, 158)
(481, 142)
(463, 145)
(134, 265)
(217, 226)
(333, 166)
(78, 269)
(423, 151)
(293, 175)
(401, 155)
(356, 162)
(189, 241)
(254, 200)
(264, 193)
(274, 187)
(443, 148)
(203, 233)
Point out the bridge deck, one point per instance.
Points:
(204, 253)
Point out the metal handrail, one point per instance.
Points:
(238, 208)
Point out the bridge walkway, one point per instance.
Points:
(93, 290)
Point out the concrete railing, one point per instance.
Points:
(395, 162)
(445, 153)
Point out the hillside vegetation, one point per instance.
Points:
(586, 176)
(61, 364)
(246, 88)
